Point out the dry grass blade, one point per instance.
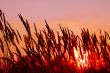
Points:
(1, 26)
(4, 20)
(27, 52)
(26, 24)
(17, 50)
(11, 54)
(20, 16)
(0, 12)
(1, 15)
(1, 45)
(19, 35)
(35, 29)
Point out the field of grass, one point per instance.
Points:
(52, 53)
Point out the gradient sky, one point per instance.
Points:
(75, 14)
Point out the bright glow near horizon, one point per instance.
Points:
(75, 14)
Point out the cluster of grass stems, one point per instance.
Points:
(51, 53)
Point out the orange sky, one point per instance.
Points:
(75, 14)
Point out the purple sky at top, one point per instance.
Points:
(71, 11)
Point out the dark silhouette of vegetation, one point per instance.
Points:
(52, 53)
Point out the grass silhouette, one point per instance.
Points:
(53, 53)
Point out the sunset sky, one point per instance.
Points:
(75, 14)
